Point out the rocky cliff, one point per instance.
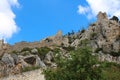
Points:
(102, 36)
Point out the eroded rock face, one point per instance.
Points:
(107, 57)
(48, 58)
(105, 32)
(53, 40)
(39, 62)
(3, 69)
(101, 16)
(31, 60)
(6, 69)
(34, 51)
(104, 35)
(1, 44)
(3, 47)
(7, 59)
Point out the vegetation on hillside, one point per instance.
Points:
(82, 65)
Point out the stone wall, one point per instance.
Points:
(1, 44)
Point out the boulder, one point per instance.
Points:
(116, 46)
(15, 57)
(17, 69)
(31, 60)
(48, 58)
(7, 59)
(75, 43)
(34, 51)
(65, 42)
(23, 63)
(39, 62)
(3, 69)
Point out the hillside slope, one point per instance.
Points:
(102, 36)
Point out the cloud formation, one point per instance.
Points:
(111, 7)
(7, 18)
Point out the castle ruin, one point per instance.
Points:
(1, 44)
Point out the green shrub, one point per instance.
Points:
(83, 30)
(69, 48)
(43, 51)
(70, 39)
(84, 42)
(79, 67)
(15, 52)
(82, 66)
(26, 49)
(93, 35)
(25, 53)
(30, 68)
(56, 50)
(111, 71)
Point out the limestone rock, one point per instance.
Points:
(101, 16)
(59, 34)
(75, 43)
(15, 58)
(65, 42)
(3, 69)
(7, 59)
(31, 60)
(39, 62)
(23, 63)
(34, 51)
(105, 33)
(48, 58)
(1, 44)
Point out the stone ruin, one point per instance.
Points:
(1, 44)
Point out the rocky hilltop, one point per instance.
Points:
(103, 34)
(103, 37)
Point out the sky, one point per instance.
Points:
(33, 20)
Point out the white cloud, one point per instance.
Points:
(7, 18)
(83, 10)
(111, 7)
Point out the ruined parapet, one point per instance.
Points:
(4, 47)
(101, 16)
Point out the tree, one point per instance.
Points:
(81, 66)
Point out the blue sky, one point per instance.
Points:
(38, 19)
(33, 20)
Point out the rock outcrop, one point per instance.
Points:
(7, 59)
(1, 44)
(105, 34)
(31, 60)
(103, 37)
(53, 41)
(3, 47)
